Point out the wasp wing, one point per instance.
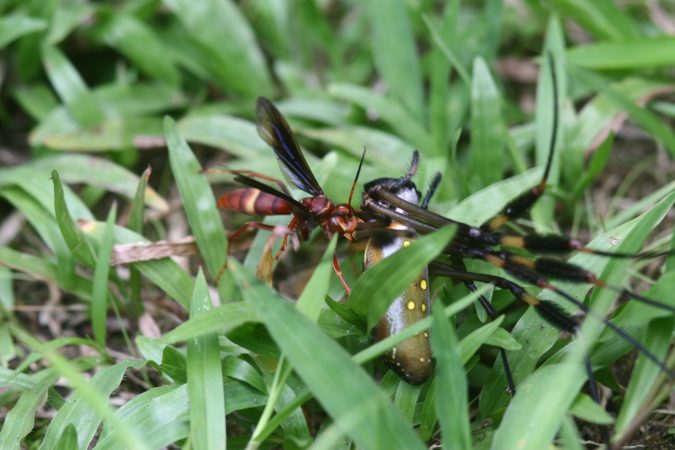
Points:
(274, 130)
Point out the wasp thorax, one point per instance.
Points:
(319, 205)
(343, 220)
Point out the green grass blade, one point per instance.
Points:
(542, 212)
(452, 405)
(603, 18)
(390, 111)
(41, 268)
(160, 414)
(74, 237)
(382, 283)
(13, 26)
(522, 426)
(68, 439)
(205, 379)
(81, 412)
(390, 18)
(484, 204)
(311, 299)
(44, 223)
(658, 338)
(229, 43)
(487, 151)
(99, 294)
(136, 220)
(640, 54)
(359, 408)
(89, 405)
(141, 45)
(66, 17)
(198, 202)
(238, 136)
(71, 88)
(223, 318)
(20, 419)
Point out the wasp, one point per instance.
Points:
(259, 198)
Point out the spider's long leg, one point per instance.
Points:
(522, 266)
(527, 273)
(458, 267)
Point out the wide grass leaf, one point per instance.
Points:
(486, 203)
(160, 414)
(390, 18)
(487, 151)
(311, 299)
(99, 295)
(628, 54)
(165, 272)
(389, 110)
(13, 26)
(71, 87)
(79, 411)
(198, 202)
(222, 318)
(603, 18)
(205, 379)
(141, 45)
(551, 89)
(74, 237)
(452, 405)
(229, 43)
(44, 223)
(20, 419)
(355, 403)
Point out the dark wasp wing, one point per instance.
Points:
(274, 130)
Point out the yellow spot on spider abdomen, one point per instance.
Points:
(406, 243)
(423, 285)
(424, 307)
(411, 305)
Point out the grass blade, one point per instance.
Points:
(75, 239)
(390, 18)
(14, 26)
(20, 419)
(71, 87)
(359, 408)
(205, 379)
(198, 202)
(451, 406)
(487, 151)
(229, 43)
(99, 294)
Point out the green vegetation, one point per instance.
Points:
(150, 354)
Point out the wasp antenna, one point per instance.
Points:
(356, 178)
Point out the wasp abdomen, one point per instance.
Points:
(254, 202)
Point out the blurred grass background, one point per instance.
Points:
(138, 357)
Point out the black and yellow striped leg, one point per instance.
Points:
(492, 313)
(527, 271)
